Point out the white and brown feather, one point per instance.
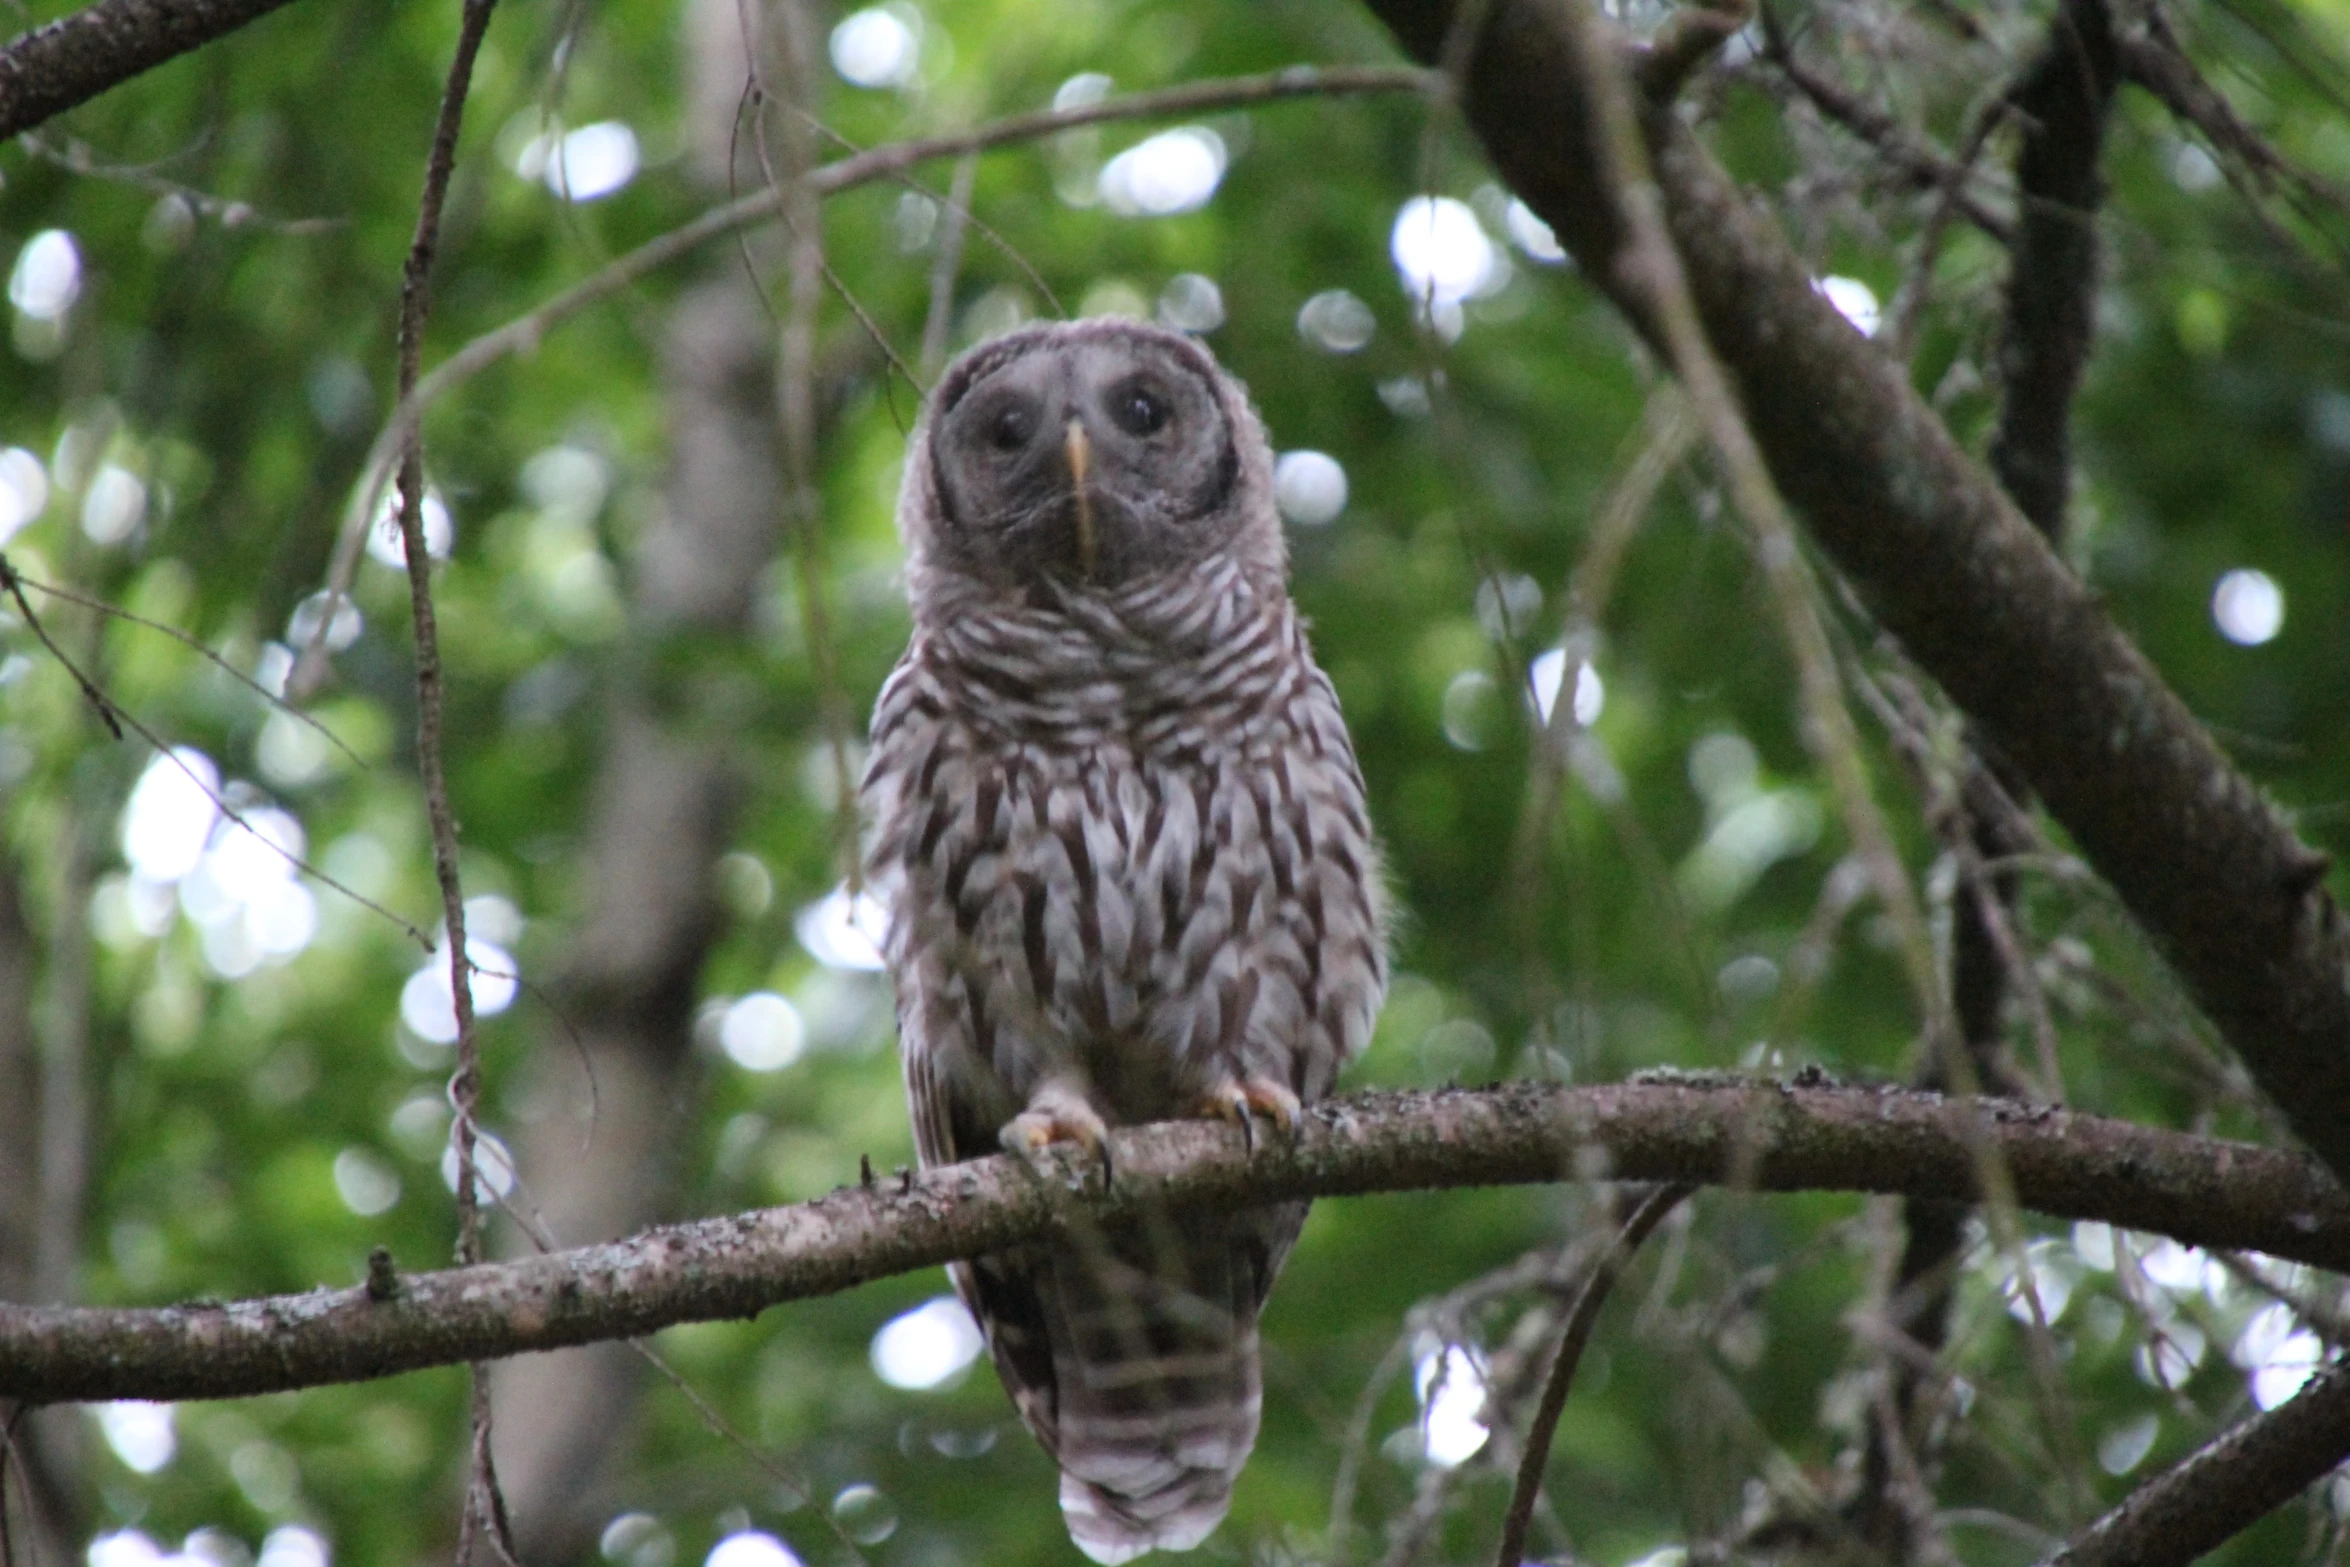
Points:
(1123, 838)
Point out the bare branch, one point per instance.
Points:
(2226, 1487)
(1580, 1322)
(1762, 1135)
(525, 332)
(2229, 894)
(485, 1509)
(72, 60)
(2063, 101)
(1920, 166)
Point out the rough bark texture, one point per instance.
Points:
(2052, 280)
(1946, 562)
(1748, 1134)
(51, 69)
(2226, 1487)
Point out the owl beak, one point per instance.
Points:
(1080, 453)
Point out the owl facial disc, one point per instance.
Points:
(1094, 454)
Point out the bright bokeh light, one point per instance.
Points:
(1854, 300)
(47, 278)
(124, 1548)
(114, 505)
(291, 1545)
(1442, 251)
(927, 1346)
(342, 628)
(2125, 1446)
(2194, 170)
(1548, 673)
(568, 479)
(1174, 171)
(2167, 1360)
(844, 930)
(1309, 488)
(386, 547)
(762, 1032)
(367, 1185)
(2248, 607)
(1450, 1379)
(592, 162)
(24, 490)
(2184, 1270)
(140, 1433)
(1470, 713)
(244, 895)
(2054, 1270)
(1532, 235)
(637, 1540)
(493, 1163)
(170, 815)
(880, 46)
(429, 1006)
(1336, 322)
(751, 1548)
(864, 1514)
(2277, 1353)
(1191, 303)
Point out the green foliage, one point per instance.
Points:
(231, 352)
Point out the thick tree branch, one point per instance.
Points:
(1752, 1135)
(2052, 282)
(2226, 1487)
(2226, 890)
(51, 69)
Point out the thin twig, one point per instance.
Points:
(1650, 260)
(953, 220)
(1580, 1321)
(116, 612)
(527, 331)
(119, 718)
(1918, 164)
(484, 1509)
(77, 157)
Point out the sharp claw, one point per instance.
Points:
(1031, 1132)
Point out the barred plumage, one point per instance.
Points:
(1122, 835)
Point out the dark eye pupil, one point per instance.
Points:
(1011, 429)
(1139, 413)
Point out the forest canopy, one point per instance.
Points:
(1732, 522)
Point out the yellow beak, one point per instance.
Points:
(1080, 452)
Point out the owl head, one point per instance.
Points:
(1086, 455)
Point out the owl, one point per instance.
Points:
(1120, 830)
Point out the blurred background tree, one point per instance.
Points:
(219, 1077)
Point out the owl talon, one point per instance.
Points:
(1242, 1102)
(1031, 1132)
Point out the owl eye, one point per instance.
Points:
(1011, 429)
(1139, 411)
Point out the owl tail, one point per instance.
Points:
(1154, 1342)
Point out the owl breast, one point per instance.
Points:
(1150, 878)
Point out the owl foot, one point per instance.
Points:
(1241, 1102)
(1053, 1117)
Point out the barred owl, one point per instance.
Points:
(1122, 836)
